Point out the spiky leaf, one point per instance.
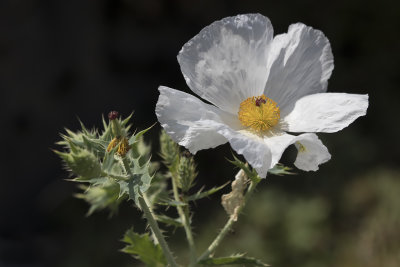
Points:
(139, 179)
(142, 248)
(202, 194)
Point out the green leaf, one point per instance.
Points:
(200, 194)
(235, 259)
(142, 248)
(170, 202)
(158, 189)
(139, 179)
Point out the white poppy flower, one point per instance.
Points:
(260, 87)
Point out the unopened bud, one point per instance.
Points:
(113, 115)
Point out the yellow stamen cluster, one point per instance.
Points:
(122, 143)
(259, 113)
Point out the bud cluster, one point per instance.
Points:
(109, 163)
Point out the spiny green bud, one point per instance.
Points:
(81, 162)
(115, 124)
(187, 172)
(101, 197)
(169, 150)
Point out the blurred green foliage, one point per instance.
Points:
(361, 227)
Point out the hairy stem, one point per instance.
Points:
(184, 215)
(157, 232)
(227, 227)
(148, 213)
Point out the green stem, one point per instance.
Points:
(152, 222)
(157, 232)
(228, 225)
(184, 215)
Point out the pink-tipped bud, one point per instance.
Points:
(113, 115)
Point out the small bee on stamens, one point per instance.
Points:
(259, 101)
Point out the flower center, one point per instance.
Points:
(259, 113)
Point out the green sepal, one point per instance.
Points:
(280, 169)
(234, 259)
(124, 122)
(250, 172)
(201, 194)
(106, 135)
(136, 137)
(109, 160)
(141, 247)
(95, 145)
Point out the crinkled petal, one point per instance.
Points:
(311, 150)
(326, 112)
(300, 63)
(197, 125)
(189, 121)
(227, 61)
(253, 148)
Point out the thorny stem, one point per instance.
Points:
(157, 232)
(228, 225)
(152, 222)
(184, 215)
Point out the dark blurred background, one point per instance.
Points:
(60, 60)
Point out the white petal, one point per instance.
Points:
(197, 125)
(188, 120)
(253, 148)
(300, 63)
(311, 150)
(326, 112)
(227, 61)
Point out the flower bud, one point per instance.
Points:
(187, 172)
(82, 163)
(169, 150)
(112, 115)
